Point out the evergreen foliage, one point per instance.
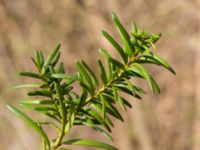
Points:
(96, 103)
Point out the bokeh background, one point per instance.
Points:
(169, 121)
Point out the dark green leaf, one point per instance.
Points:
(143, 72)
(138, 89)
(125, 89)
(98, 108)
(68, 78)
(51, 69)
(102, 72)
(37, 58)
(124, 35)
(110, 61)
(154, 58)
(85, 86)
(36, 64)
(110, 70)
(92, 143)
(110, 106)
(126, 102)
(131, 87)
(42, 108)
(32, 102)
(99, 119)
(113, 111)
(85, 75)
(30, 74)
(53, 115)
(134, 88)
(40, 93)
(116, 63)
(92, 75)
(55, 59)
(61, 101)
(50, 58)
(118, 98)
(116, 45)
(60, 69)
(90, 123)
(105, 53)
(103, 109)
(82, 99)
(30, 122)
(109, 97)
(41, 58)
(121, 102)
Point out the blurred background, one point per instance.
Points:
(169, 121)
